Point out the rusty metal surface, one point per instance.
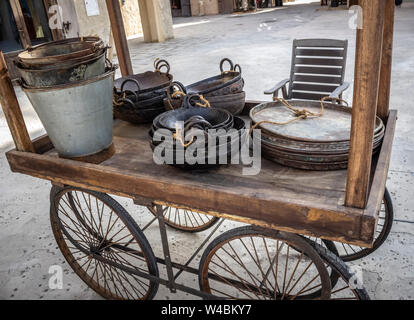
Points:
(60, 51)
(233, 103)
(144, 82)
(140, 98)
(334, 125)
(224, 84)
(314, 147)
(59, 75)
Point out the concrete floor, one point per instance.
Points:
(261, 43)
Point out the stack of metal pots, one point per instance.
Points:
(69, 83)
(224, 91)
(139, 98)
(206, 134)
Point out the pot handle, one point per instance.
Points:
(191, 100)
(136, 83)
(176, 85)
(128, 101)
(222, 64)
(237, 68)
(161, 63)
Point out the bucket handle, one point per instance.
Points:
(109, 64)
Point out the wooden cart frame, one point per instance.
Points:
(338, 205)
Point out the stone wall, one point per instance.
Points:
(204, 7)
(95, 25)
(132, 18)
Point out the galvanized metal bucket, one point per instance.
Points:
(62, 73)
(77, 116)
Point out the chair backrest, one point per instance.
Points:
(318, 67)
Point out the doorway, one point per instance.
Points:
(23, 23)
(180, 8)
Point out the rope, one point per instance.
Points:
(178, 135)
(178, 93)
(116, 99)
(206, 103)
(299, 114)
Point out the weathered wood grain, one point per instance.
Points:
(283, 198)
(384, 91)
(371, 214)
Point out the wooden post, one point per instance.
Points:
(386, 61)
(367, 69)
(12, 112)
(118, 31)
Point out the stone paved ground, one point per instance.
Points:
(261, 43)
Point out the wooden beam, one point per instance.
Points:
(386, 61)
(118, 31)
(21, 25)
(367, 69)
(380, 178)
(11, 109)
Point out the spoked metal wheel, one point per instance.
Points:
(348, 252)
(251, 263)
(347, 286)
(186, 220)
(103, 244)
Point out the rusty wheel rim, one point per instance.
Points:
(264, 266)
(101, 245)
(348, 252)
(186, 220)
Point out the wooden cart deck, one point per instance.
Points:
(305, 202)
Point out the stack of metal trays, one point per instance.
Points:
(316, 143)
(140, 98)
(224, 91)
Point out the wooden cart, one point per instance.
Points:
(279, 203)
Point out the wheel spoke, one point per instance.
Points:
(86, 227)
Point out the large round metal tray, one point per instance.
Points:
(333, 127)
